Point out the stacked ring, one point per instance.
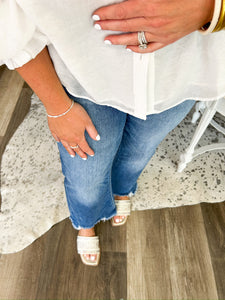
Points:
(74, 147)
(143, 44)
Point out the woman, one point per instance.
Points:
(107, 108)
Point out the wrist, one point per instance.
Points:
(63, 113)
(210, 6)
(58, 106)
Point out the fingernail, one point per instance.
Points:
(128, 49)
(92, 155)
(97, 26)
(72, 156)
(95, 17)
(84, 158)
(98, 137)
(107, 42)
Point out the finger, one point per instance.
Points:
(80, 152)
(151, 47)
(124, 10)
(83, 145)
(131, 25)
(71, 152)
(91, 130)
(128, 39)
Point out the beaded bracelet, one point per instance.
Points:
(209, 27)
(63, 114)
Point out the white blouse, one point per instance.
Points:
(139, 84)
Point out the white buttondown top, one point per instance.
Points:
(191, 68)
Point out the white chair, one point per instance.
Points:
(208, 110)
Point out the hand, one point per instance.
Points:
(70, 128)
(41, 76)
(163, 21)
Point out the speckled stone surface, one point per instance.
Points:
(32, 190)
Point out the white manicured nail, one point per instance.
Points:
(98, 27)
(128, 49)
(92, 155)
(72, 156)
(84, 158)
(107, 42)
(98, 137)
(95, 17)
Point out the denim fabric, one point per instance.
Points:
(127, 144)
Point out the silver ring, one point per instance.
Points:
(74, 147)
(143, 44)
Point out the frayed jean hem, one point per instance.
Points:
(98, 221)
(129, 194)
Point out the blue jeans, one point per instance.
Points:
(127, 144)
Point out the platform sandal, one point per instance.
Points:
(88, 245)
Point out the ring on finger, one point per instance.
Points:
(143, 43)
(74, 147)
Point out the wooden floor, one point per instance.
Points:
(14, 105)
(176, 253)
(160, 254)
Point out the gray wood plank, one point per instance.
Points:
(51, 269)
(2, 68)
(214, 218)
(19, 273)
(9, 96)
(113, 239)
(168, 255)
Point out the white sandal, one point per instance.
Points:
(123, 208)
(88, 245)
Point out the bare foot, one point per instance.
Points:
(88, 232)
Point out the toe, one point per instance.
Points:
(119, 219)
(90, 257)
(93, 257)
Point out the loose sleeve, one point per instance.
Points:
(20, 39)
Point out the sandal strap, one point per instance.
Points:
(123, 207)
(88, 245)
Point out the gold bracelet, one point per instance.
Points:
(221, 22)
(209, 27)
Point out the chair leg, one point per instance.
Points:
(206, 118)
(199, 106)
